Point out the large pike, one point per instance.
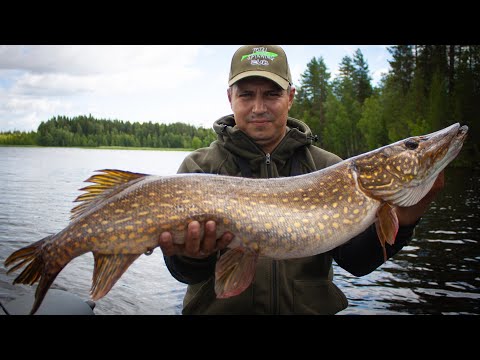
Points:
(122, 214)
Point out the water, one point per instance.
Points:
(37, 187)
(438, 273)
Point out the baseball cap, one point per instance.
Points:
(269, 61)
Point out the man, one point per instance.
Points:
(260, 140)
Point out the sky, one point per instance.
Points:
(138, 83)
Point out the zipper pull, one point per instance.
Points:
(267, 159)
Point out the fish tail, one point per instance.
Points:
(42, 288)
(31, 257)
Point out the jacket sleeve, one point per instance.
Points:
(363, 253)
(189, 270)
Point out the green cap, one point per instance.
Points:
(268, 61)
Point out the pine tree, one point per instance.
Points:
(309, 104)
(402, 66)
(361, 77)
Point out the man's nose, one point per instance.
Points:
(259, 105)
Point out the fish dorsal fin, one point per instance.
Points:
(106, 184)
(107, 270)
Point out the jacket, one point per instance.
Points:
(293, 286)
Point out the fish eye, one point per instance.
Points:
(411, 144)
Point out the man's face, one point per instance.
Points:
(261, 109)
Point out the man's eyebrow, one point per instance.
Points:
(266, 90)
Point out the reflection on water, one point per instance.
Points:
(437, 273)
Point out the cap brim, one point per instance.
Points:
(271, 76)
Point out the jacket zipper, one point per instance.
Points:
(268, 161)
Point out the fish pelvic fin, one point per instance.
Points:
(106, 184)
(31, 257)
(386, 226)
(235, 271)
(107, 270)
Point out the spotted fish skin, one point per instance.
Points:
(123, 214)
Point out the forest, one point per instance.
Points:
(426, 88)
(86, 131)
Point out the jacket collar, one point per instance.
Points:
(240, 144)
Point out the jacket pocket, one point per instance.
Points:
(201, 299)
(197, 297)
(317, 297)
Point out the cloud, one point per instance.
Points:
(51, 85)
(378, 74)
(23, 112)
(67, 70)
(94, 59)
(23, 105)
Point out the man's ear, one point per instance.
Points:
(291, 97)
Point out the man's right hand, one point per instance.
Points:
(195, 246)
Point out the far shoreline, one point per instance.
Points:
(100, 147)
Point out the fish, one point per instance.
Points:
(122, 214)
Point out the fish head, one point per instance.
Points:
(403, 172)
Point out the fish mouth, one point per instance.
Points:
(453, 132)
(443, 135)
(435, 151)
(462, 133)
(444, 145)
(458, 138)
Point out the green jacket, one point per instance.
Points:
(294, 286)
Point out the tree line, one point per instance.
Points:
(90, 132)
(427, 87)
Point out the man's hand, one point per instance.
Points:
(195, 246)
(409, 215)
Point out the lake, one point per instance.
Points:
(437, 273)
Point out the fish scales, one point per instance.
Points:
(289, 219)
(123, 214)
(132, 221)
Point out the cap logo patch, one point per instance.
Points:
(260, 56)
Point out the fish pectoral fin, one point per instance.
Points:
(107, 270)
(235, 271)
(387, 226)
